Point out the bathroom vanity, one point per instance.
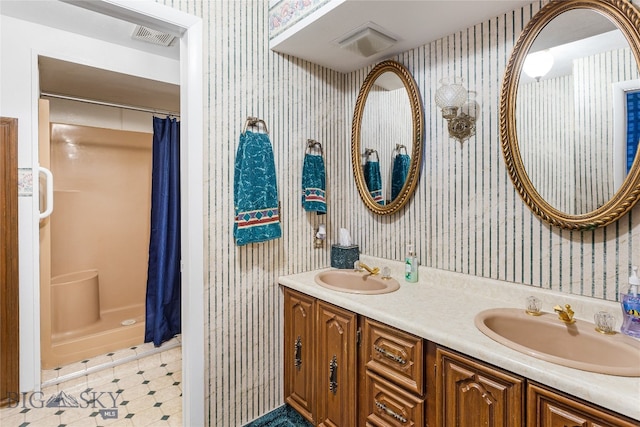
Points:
(414, 357)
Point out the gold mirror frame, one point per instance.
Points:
(417, 114)
(627, 19)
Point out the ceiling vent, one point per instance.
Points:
(152, 36)
(367, 40)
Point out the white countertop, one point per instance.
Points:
(441, 308)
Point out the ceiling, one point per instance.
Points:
(74, 19)
(81, 81)
(413, 23)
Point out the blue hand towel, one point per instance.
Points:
(399, 174)
(313, 184)
(373, 180)
(255, 191)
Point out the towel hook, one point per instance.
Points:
(313, 144)
(254, 122)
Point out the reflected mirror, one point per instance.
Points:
(386, 140)
(567, 134)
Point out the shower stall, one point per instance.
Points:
(94, 246)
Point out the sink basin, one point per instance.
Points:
(576, 345)
(355, 282)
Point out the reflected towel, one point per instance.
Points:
(255, 191)
(373, 180)
(313, 184)
(399, 174)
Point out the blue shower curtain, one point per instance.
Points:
(163, 278)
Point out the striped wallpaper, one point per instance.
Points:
(465, 215)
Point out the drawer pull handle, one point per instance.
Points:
(391, 413)
(390, 355)
(333, 375)
(297, 359)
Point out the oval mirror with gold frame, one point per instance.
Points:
(387, 133)
(523, 135)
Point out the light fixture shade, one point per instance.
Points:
(451, 93)
(471, 108)
(538, 64)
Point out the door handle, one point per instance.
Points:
(49, 188)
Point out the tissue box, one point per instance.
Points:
(344, 256)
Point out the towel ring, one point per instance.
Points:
(312, 144)
(254, 122)
(401, 147)
(369, 151)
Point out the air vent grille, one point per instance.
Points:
(152, 36)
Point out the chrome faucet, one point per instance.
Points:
(373, 271)
(565, 314)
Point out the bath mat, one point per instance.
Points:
(284, 416)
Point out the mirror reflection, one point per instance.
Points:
(386, 138)
(571, 111)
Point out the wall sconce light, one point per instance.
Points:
(451, 96)
(538, 64)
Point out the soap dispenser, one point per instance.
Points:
(411, 265)
(631, 307)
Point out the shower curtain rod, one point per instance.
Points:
(110, 104)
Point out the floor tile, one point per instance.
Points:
(126, 368)
(99, 360)
(161, 382)
(153, 361)
(149, 416)
(140, 404)
(147, 395)
(172, 406)
(136, 392)
(122, 354)
(167, 394)
(171, 355)
(151, 373)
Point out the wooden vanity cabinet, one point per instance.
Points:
(394, 379)
(469, 393)
(336, 366)
(320, 360)
(548, 408)
(299, 352)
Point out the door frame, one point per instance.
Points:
(189, 29)
(9, 286)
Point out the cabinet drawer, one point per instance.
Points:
(395, 355)
(388, 405)
(547, 408)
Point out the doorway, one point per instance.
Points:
(188, 29)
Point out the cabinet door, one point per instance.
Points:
(299, 351)
(336, 373)
(547, 408)
(471, 394)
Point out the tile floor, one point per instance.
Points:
(144, 388)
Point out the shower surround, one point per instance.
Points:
(93, 301)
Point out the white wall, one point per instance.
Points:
(21, 43)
